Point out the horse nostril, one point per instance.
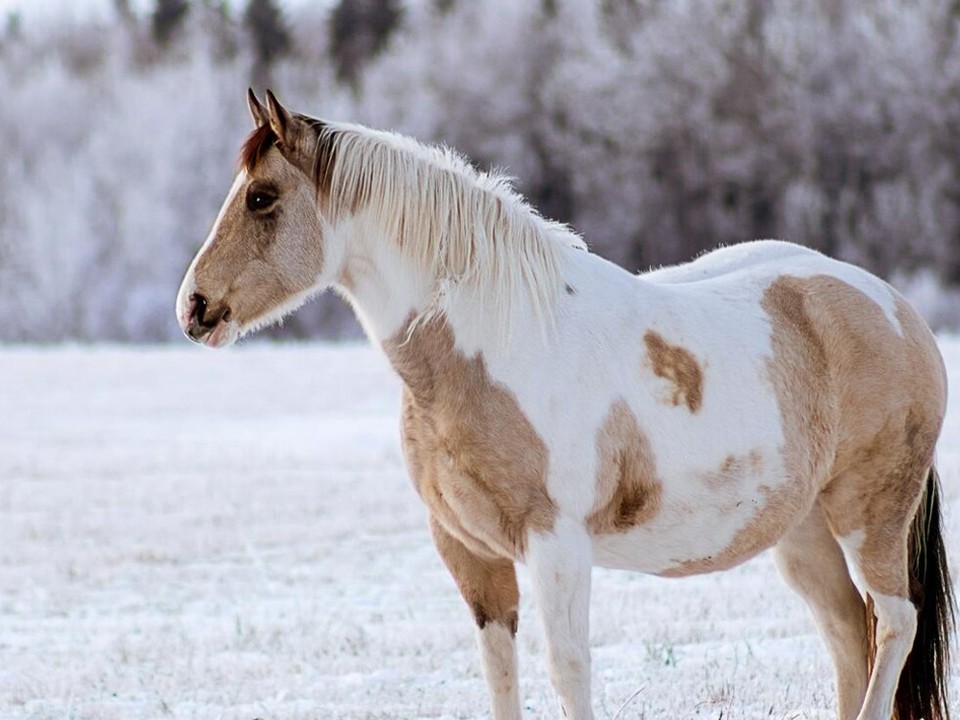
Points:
(198, 307)
(203, 317)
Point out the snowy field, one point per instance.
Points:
(191, 534)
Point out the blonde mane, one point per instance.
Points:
(464, 228)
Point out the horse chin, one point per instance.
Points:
(223, 335)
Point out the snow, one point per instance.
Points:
(191, 534)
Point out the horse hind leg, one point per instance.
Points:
(812, 563)
(897, 555)
(896, 627)
(877, 553)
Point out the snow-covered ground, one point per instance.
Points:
(190, 534)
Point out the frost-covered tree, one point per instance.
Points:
(359, 30)
(657, 129)
(269, 37)
(167, 18)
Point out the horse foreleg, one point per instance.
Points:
(560, 565)
(489, 586)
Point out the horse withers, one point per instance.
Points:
(561, 412)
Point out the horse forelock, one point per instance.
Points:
(263, 138)
(256, 146)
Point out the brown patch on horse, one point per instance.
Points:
(474, 457)
(679, 367)
(734, 469)
(628, 491)
(881, 494)
(800, 374)
(488, 584)
(861, 407)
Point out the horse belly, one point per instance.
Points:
(707, 531)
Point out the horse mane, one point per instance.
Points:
(464, 228)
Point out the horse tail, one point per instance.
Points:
(922, 691)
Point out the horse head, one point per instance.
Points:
(265, 254)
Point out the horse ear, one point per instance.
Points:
(279, 117)
(257, 111)
(296, 136)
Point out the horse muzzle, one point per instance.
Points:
(206, 323)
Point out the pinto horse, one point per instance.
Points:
(561, 412)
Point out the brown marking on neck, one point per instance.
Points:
(861, 408)
(679, 367)
(628, 490)
(474, 457)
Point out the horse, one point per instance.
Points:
(562, 413)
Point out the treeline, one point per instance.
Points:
(657, 129)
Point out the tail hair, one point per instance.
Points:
(922, 693)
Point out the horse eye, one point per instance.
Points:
(260, 200)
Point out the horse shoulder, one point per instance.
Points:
(477, 461)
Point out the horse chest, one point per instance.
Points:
(480, 471)
(476, 460)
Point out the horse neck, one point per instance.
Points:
(383, 286)
(393, 298)
(388, 281)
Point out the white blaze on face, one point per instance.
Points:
(188, 286)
